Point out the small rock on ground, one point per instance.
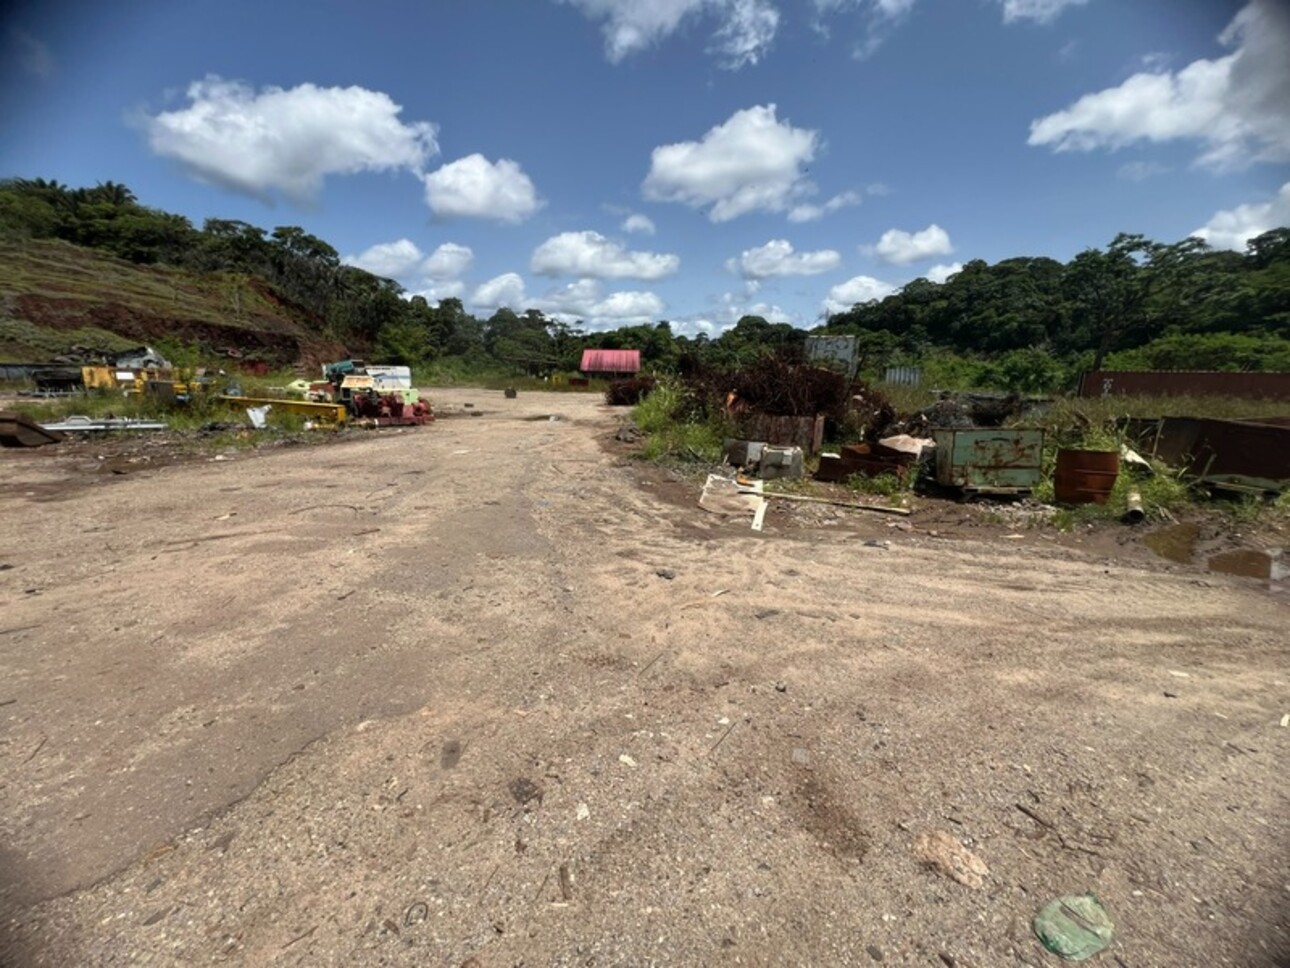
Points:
(943, 852)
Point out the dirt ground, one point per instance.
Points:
(487, 693)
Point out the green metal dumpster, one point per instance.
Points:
(989, 461)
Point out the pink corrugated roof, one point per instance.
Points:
(611, 361)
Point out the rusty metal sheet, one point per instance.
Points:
(1240, 452)
(841, 352)
(804, 432)
(19, 431)
(837, 468)
(1179, 383)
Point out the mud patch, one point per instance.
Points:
(822, 813)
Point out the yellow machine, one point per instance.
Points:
(172, 383)
(120, 378)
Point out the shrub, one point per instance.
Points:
(676, 427)
(628, 393)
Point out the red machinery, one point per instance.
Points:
(390, 410)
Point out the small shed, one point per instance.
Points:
(610, 363)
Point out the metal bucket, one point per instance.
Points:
(1085, 476)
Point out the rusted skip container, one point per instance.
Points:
(1085, 476)
(989, 461)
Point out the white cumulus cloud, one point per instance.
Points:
(809, 212)
(288, 140)
(1037, 11)
(474, 187)
(388, 259)
(900, 248)
(1237, 106)
(583, 299)
(504, 290)
(627, 308)
(636, 222)
(777, 258)
(860, 289)
(731, 307)
(591, 254)
(403, 259)
(698, 325)
(449, 261)
(439, 291)
(940, 273)
(1232, 228)
(744, 28)
(748, 163)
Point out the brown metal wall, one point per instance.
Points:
(1249, 386)
(1218, 448)
(804, 432)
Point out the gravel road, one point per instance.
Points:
(424, 698)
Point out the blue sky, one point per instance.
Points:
(619, 161)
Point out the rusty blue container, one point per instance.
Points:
(989, 461)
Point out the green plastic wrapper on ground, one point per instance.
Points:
(1075, 927)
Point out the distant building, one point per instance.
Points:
(611, 363)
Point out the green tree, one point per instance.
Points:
(1108, 291)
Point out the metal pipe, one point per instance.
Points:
(1134, 513)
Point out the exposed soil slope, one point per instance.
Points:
(54, 294)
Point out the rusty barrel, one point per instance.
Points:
(1085, 476)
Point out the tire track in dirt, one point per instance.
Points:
(631, 782)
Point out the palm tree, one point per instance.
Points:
(113, 193)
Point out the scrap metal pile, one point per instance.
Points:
(350, 393)
(774, 386)
(368, 395)
(784, 409)
(1242, 455)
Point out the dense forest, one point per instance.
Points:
(1026, 324)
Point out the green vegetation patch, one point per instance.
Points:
(674, 428)
(25, 342)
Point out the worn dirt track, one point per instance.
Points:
(423, 699)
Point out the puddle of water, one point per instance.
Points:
(1176, 542)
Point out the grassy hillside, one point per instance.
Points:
(55, 295)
